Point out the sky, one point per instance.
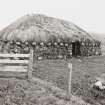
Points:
(87, 14)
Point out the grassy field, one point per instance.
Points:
(22, 92)
(85, 70)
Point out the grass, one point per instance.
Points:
(85, 70)
(23, 92)
(55, 72)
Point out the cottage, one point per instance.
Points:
(48, 37)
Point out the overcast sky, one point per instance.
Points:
(88, 14)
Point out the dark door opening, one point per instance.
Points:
(76, 48)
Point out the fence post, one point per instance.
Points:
(30, 66)
(69, 78)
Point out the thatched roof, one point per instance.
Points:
(41, 28)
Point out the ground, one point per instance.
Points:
(22, 92)
(85, 70)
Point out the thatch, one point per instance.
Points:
(41, 28)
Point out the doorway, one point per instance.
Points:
(76, 49)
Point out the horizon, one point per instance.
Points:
(86, 14)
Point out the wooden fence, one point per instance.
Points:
(16, 60)
(5, 59)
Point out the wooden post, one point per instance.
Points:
(69, 78)
(30, 66)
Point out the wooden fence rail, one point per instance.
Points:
(6, 61)
(15, 55)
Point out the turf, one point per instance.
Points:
(22, 92)
(85, 71)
